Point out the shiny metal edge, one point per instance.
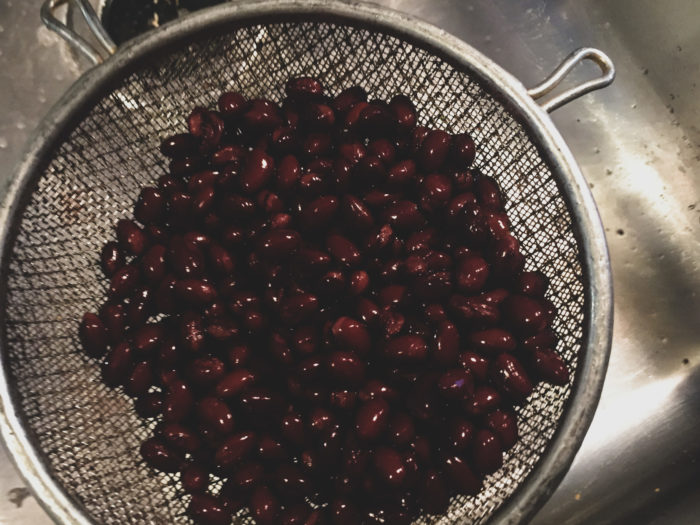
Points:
(596, 264)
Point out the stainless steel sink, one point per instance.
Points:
(638, 144)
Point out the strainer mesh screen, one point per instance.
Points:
(88, 434)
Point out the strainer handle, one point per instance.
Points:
(552, 81)
(73, 38)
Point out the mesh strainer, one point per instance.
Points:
(76, 441)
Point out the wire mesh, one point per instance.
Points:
(88, 434)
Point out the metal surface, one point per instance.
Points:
(81, 172)
(638, 145)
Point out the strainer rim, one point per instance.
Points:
(555, 461)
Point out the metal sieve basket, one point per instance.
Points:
(76, 441)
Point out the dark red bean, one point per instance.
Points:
(368, 311)
(471, 274)
(460, 434)
(371, 170)
(476, 364)
(504, 425)
(343, 250)
(206, 371)
(319, 116)
(205, 509)
(498, 224)
(505, 257)
(434, 494)
(352, 151)
(405, 216)
(348, 98)
(178, 402)
(486, 451)
(346, 367)
(390, 466)
(401, 174)
(435, 192)
(206, 125)
(375, 389)
(153, 263)
(344, 512)
(111, 258)
(215, 414)
(316, 145)
(433, 286)
(510, 376)
(524, 315)
(179, 145)
(492, 341)
(159, 456)
(496, 296)
(203, 200)
(124, 281)
(180, 438)
(484, 400)
(184, 166)
(284, 139)
(406, 349)
(245, 478)
(192, 332)
(131, 238)
(402, 429)
(288, 173)
(234, 383)
(359, 281)
(305, 340)
(488, 193)
(117, 364)
(533, 284)
(435, 315)
(446, 343)
(456, 384)
(93, 335)
(376, 120)
(540, 341)
(461, 475)
(278, 244)
(352, 118)
(271, 449)
(262, 115)
(264, 506)
(232, 104)
(186, 260)
(356, 213)
(257, 171)
(147, 339)
(474, 310)
(433, 150)
(298, 308)
(235, 449)
(404, 112)
(550, 367)
(194, 478)
(372, 419)
(319, 213)
(149, 405)
(463, 151)
(149, 206)
(262, 401)
(383, 149)
(297, 514)
(195, 291)
(303, 88)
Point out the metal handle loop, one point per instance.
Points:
(73, 38)
(552, 81)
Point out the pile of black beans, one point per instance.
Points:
(322, 304)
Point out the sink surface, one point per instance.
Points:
(638, 145)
